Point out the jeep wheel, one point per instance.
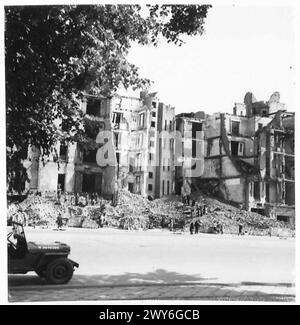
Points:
(59, 271)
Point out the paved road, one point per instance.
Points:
(122, 265)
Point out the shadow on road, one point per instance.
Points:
(159, 276)
(159, 285)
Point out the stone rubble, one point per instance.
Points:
(135, 212)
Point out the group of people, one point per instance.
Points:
(194, 227)
(79, 199)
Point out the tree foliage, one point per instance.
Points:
(55, 54)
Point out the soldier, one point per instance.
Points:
(197, 227)
(192, 228)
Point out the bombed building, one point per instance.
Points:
(245, 158)
(248, 156)
(126, 148)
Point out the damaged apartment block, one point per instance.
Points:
(248, 156)
(125, 134)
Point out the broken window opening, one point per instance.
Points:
(61, 182)
(196, 127)
(63, 152)
(130, 187)
(283, 218)
(93, 106)
(257, 190)
(235, 128)
(89, 156)
(234, 148)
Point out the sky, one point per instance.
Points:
(244, 48)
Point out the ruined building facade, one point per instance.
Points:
(248, 156)
(126, 150)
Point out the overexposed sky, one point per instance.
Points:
(244, 48)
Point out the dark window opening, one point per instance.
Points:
(150, 187)
(153, 114)
(154, 104)
(196, 127)
(267, 166)
(163, 187)
(153, 124)
(150, 175)
(257, 190)
(138, 184)
(234, 148)
(235, 128)
(259, 211)
(61, 182)
(168, 187)
(88, 183)
(267, 192)
(283, 218)
(118, 157)
(63, 152)
(89, 156)
(130, 187)
(93, 106)
(194, 148)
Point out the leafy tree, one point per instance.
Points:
(55, 54)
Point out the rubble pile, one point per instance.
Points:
(35, 210)
(134, 212)
(231, 217)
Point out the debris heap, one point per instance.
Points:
(136, 212)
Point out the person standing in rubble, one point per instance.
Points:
(59, 221)
(197, 227)
(240, 228)
(192, 228)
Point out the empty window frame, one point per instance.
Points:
(235, 128)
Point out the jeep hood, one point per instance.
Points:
(50, 247)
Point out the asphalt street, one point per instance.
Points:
(151, 265)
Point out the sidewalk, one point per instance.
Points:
(179, 291)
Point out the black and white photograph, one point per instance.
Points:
(150, 153)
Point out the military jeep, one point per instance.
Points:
(49, 261)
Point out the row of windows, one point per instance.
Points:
(164, 190)
(170, 125)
